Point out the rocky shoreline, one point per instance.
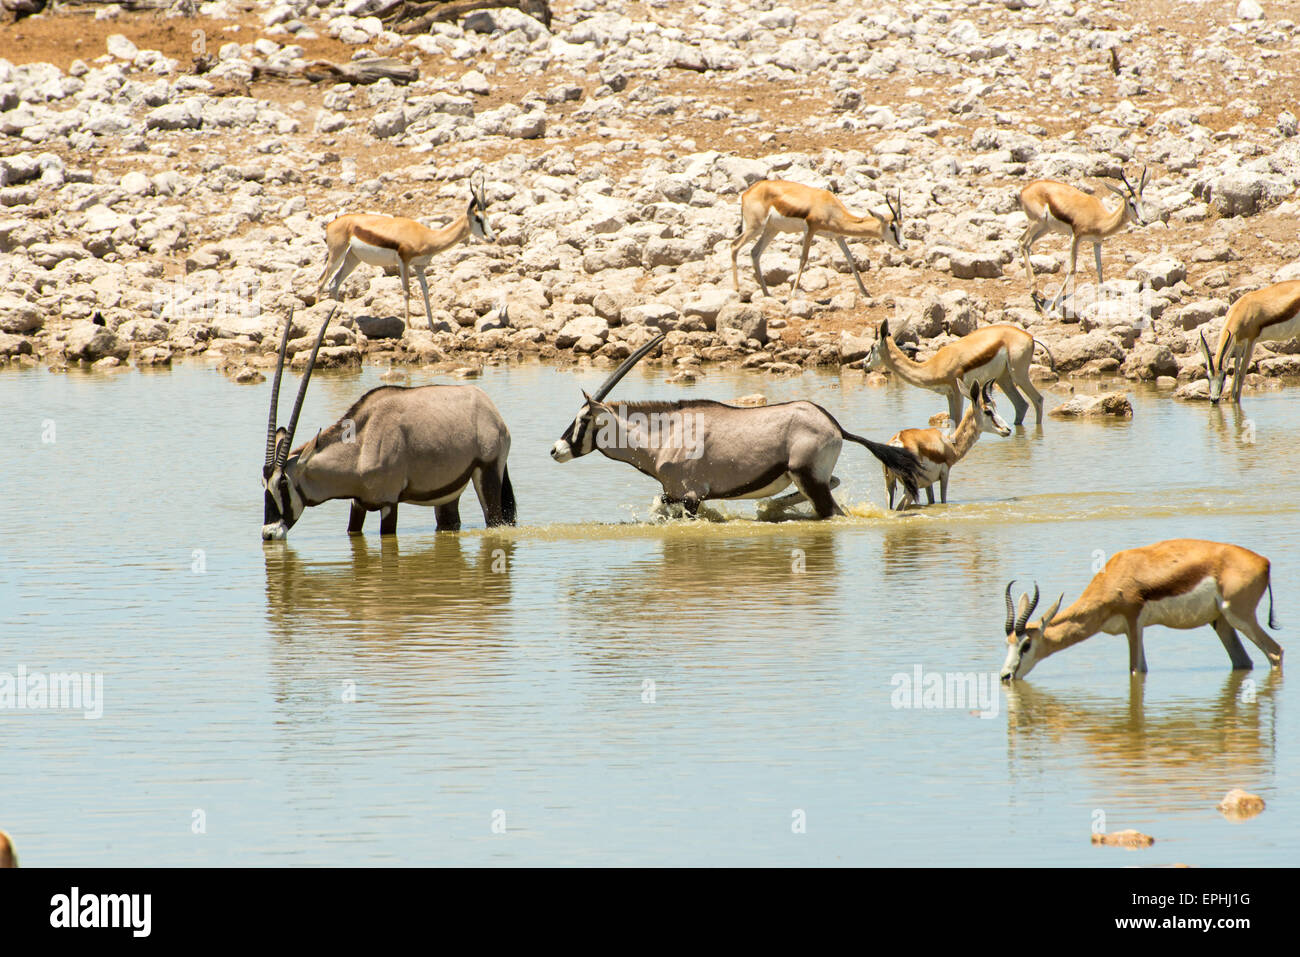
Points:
(154, 208)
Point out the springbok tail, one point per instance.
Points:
(1038, 343)
(508, 508)
(905, 465)
(1272, 622)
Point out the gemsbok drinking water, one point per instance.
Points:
(421, 445)
(1181, 583)
(700, 449)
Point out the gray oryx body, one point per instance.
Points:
(700, 449)
(422, 445)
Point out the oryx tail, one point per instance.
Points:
(899, 461)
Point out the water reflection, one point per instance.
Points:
(1185, 748)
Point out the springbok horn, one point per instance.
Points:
(1023, 618)
(302, 391)
(898, 205)
(1209, 359)
(275, 395)
(627, 365)
(1142, 184)
(1011, 609)
(1125, 179)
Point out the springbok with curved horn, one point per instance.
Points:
(395, 241)
(1181, 583)
(1054, 207)
(774, 206)
(1271, 313)
(700, 450)
(938, 452)
(1000, 353)
(422, 445)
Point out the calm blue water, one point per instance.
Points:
(504, 678)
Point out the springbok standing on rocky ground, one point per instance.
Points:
(1269, 313)
(699, 449)
(421, 445)
(1181, 583)
(1000, 353)
(938, 452)
(774, 206)
(394, 241)
(1054, 207)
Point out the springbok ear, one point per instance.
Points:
(975, 392)
(1116, 190)
(883, 331)
(585, 397)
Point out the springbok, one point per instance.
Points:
(421, 445)
(774, 206)
(938, 452)
(394, 241)
(700, 449)
(1000, 354)
(8, 856)
(1269, 313)
(1181, 583)
(1054, 207)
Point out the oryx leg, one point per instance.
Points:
(818, 492)
(388, 520)
(844, 248)
(448, 516)
(356, 518)
(1007, 383)
(795, 497)
(487, 485)
(1232, 645)
(424, 288)
(756, 253)
(1137, 656)
(1074, 263)
(803, 256)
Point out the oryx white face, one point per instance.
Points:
(579, 438)
(284, 505)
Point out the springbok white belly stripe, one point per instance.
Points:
(785, 224)
(1188, 610)
(373, 255)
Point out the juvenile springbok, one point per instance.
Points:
(420, 445)
(1269, 313)
(389, 241)
(774, 206)
(938, 452)
(1181, 583)
(700, 450)
(1054, 207)
(1000, 353)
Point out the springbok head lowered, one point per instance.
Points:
(579, 438)
(1025, 639)
(1216, 374)
(479, 226)
(1133, 206)
(284, 503)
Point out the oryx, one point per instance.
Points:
(421, 445)
(700, 449)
